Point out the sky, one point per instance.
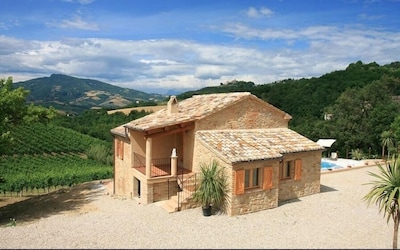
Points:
(158, 45)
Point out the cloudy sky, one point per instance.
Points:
(158, 45)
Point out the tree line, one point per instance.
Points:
(358, 106)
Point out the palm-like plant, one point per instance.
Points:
(386, 193)
(213, 187)
(357, 154)
(387, 140)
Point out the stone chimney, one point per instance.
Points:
(172, 105)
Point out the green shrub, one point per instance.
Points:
(100, 153)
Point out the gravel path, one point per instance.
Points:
(335, 218)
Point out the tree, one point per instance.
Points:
(386, 193)
(12, 107)
(395, 127)
(387, 140)
(36, 113)
(360, 115)
(15, 111)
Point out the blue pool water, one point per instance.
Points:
(328, 165)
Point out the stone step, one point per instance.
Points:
(170, 205)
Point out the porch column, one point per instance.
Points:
(174, 162)
(148, 157)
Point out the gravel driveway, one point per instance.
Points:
(335, 218)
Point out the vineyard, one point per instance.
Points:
(42, 157)
(38, 138)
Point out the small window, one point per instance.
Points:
(285, 169)
(251, 178)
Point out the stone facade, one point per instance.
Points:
(156, 135)
(248, 114)
(310, 181)
(257, 199)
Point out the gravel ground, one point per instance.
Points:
(336, 218)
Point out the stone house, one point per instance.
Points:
(157, 156)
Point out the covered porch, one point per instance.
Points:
(160, 167)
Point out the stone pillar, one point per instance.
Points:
(148, 157)
(174, 162)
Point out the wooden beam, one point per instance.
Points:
(170, 130)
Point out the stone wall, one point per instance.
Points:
(255, 199)
(252, 200)
(250, 113)
(310, 180)
(122, 170)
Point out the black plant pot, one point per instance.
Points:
(206, 210)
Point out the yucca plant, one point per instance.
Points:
(386, 193)
(213, 187)
(357, 154)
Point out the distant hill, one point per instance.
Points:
(71, 94)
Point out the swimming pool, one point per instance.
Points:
(328, 165)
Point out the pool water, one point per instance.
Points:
(328, 165)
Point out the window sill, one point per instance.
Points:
(252, 190)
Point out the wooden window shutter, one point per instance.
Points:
(267, 183)
(239, 187)
(117, 147)
(121, 150)
(298, 169)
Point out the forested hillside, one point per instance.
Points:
(75, 95)
(360, 98)
(96, 122)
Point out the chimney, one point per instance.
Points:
(172, 105)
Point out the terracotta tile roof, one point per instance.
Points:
(255, 144)
(191, 109)
(120, 130)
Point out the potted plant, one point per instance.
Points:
(213, 187)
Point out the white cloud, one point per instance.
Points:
(257, 13)
(365, 16)
(75, 22)
(173, 63)
(266, 11)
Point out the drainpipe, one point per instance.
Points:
(174, 162)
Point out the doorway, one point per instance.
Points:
(136, 187)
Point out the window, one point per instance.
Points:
(251, 178)
(119, 149)
(285, 168)
(288, 168)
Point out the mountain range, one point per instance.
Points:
(300, 98)
(71, 94)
